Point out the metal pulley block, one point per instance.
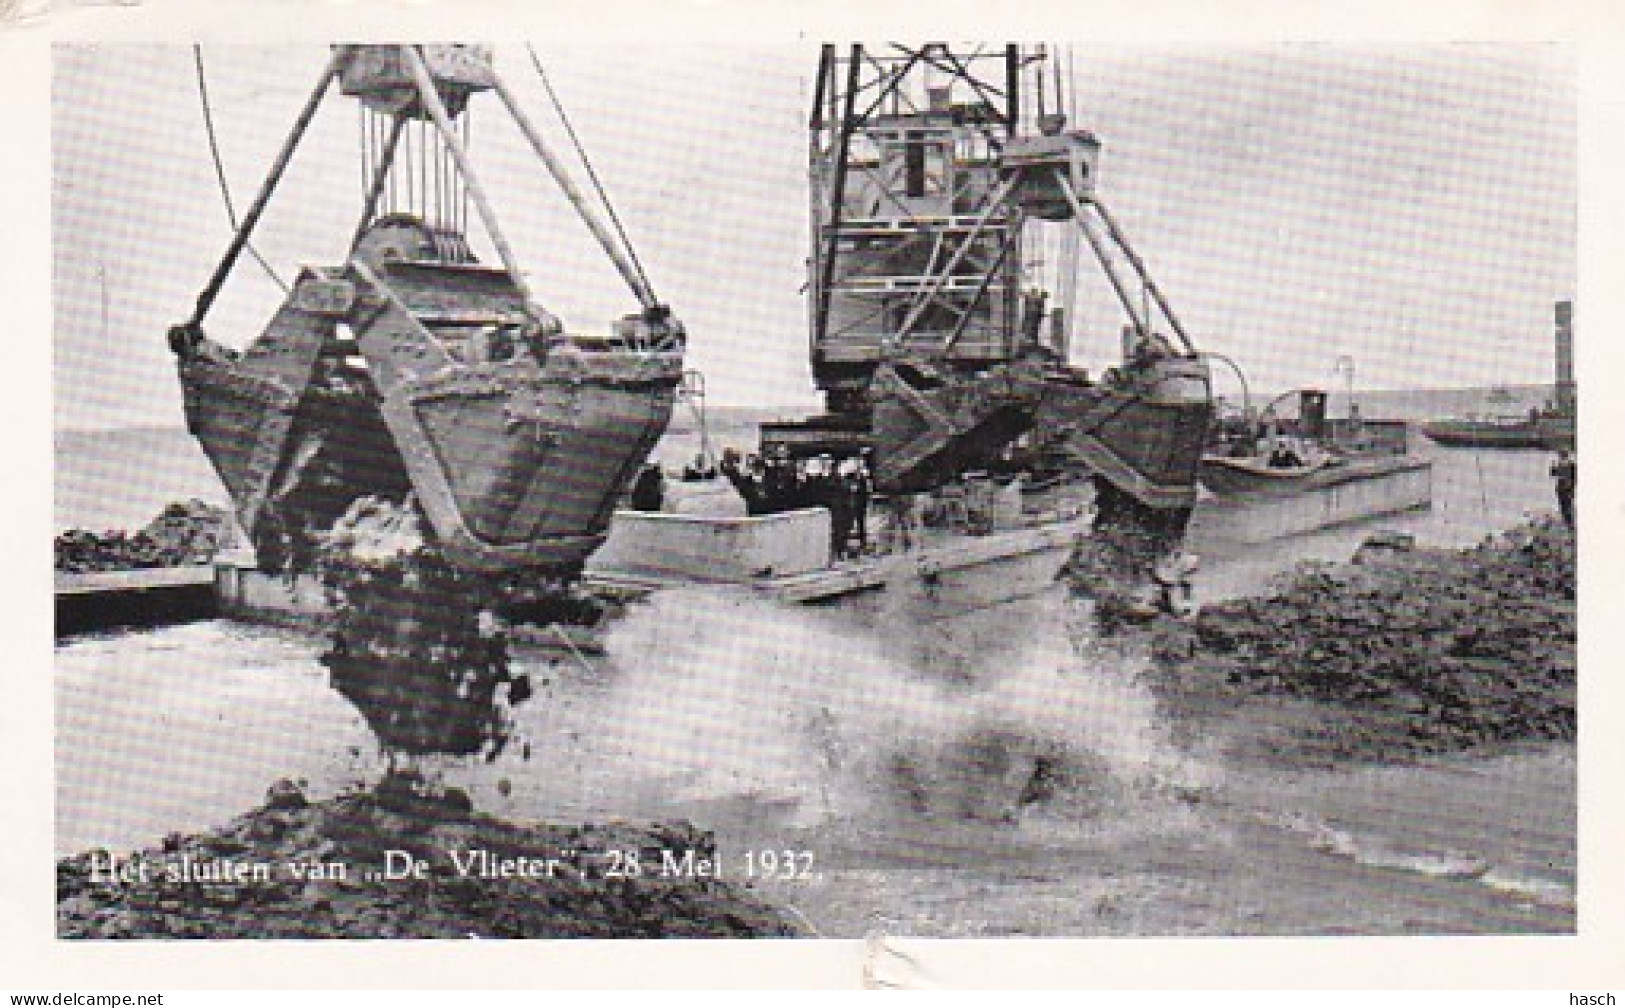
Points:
(381, 76)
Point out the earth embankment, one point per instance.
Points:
(1397, 654)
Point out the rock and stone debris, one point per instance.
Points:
(1405, 652)
(185, 532)
(479, 878)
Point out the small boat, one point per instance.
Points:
(1227, 476)
(1256, 478)
(1313, 472)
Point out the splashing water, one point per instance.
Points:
(723, 694)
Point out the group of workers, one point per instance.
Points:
(775, 482)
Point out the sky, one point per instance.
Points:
(1409, 206)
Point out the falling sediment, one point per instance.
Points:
(416, 644)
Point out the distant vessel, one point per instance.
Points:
(1502, 425)
(1493, 430)
(1226, 477)
(1549, 426)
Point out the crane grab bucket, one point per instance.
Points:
(412, 371)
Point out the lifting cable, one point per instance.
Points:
(219, 168)
(592, 175)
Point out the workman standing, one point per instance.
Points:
(902, 523)
(858, 491)
(1564, 476)
(649, 490)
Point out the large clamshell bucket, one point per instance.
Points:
(1142, 429)
(430, 380)
(520, 469)
(517, 452)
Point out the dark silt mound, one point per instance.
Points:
(192, 887)
(186, 532)
(1402, 653)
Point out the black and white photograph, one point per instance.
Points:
(823, 488)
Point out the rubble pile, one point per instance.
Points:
(185, 532)
(392, 864)
(1409, 652)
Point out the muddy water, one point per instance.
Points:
(894, 764)
(183, 727)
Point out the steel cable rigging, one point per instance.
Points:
(219, 167)
(592, 175)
